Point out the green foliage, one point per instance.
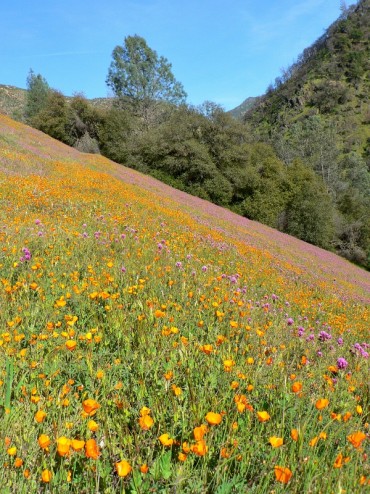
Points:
(37, 93)
(141, 79)
(309, 210)
(53, 118)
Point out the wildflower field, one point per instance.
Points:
(152, 342)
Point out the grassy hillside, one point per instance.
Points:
(154, 342)
(330, 79)
(13, 102)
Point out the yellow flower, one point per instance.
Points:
(71, 344)
(146, 422)
(63, 446)
(123, 468)
(46, 476)
(165, 440)
(77, 445)
(263, 416)
(276, 442)
(44, 441)
(92, 426)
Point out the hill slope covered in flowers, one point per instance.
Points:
(153, 342)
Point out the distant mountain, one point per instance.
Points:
(331, 79)
(247, 104)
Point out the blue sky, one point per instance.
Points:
(220, 50)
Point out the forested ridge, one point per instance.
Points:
(298, 161)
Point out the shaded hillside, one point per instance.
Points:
(330, 79)
(247, 104)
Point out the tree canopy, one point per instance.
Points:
(139, 77)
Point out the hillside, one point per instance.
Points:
(330, 79)
(240, 110)
(155, 342)
(13, 102)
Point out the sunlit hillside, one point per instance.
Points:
(153, 342)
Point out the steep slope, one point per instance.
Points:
(331, 78)
(153, 341)
(240, 110)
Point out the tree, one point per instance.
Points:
(53, 118)
(37, 93)
(141, 79)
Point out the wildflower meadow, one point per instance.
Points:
(152, 342)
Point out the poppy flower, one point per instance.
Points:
(46, 476)
(63, 446)
(18, 462)
(165, 440)
(322, 403)
(199, 432)
(92, 449)
(283, 474)
(44, 441)
(90, 406)
(199, 448)
(276, 442)
(263, 416)
(123, 468)
(92, 426)
(294, 434)
(356, 438)
(77, 445)
(297, 387)
(71, 344)
(144, 468)
(213, 418)
(40, 415)
(146, 422)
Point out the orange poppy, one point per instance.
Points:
(283, 474)
(213, 418)
(146, 422)
(199, 448)
(199, 432)
(297, 387)
(322, 403)
(356, 438)
(294, 434)
(40, 416)
(92, 449)
(90, 406)
(44, 441)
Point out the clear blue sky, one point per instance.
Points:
(220, 50)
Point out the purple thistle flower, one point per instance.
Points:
(342, 363)
(324, 336)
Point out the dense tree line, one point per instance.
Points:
(294, 178)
